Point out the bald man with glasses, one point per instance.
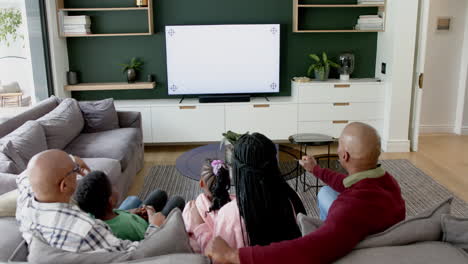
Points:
(44, 207)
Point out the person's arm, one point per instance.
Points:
(329, 177)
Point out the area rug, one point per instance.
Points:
(418, 189)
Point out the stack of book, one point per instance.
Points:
(76, 25)
(370, 22)
(371, 2)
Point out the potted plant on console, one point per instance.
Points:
(229, 139)
(321, 66)
(131, 69)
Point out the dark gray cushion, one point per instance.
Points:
(99, 115)
(170, 238)
(34, 113)
(119, 144)
(11, 237)
(7, 182)
(63, 124)
(455, 231)
(419, 253)
(27, 141)
(425, 226)
(21, 253)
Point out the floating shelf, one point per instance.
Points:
(110, 86)
(334, 6)
(297, 5)
(104, 9)
(63, 11)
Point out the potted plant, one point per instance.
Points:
(321, 66)
(229, 139)
(131, 69)
(10, 21)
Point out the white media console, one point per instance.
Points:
(313, 107)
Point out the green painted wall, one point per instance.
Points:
(98, 58)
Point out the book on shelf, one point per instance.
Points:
(76, 20)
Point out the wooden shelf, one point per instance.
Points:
(296, 13)
(337, 31)
(62, 11)
(110, 86)
(106, 35)
(341, 6)
(104, 9)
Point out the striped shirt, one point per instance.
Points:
(64, 225)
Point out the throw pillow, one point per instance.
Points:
(173, 259)
(62, 124)
(27, 140)
(455, 231)
(425, 226)
(99, 115)
(7, 182)
(6, 164)
(8, 203)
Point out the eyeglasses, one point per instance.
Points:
(76, 169)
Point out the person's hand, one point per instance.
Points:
(84, 167)
(156, 219)
(220, 252)
(308, 163)
(197, 219)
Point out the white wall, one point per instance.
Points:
(13, 68)
(442, 69)
(396, 47)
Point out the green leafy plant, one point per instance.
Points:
(231, 137)
(10, 21)
(134, 64)
(321, 66)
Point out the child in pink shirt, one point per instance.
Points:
(214, 212)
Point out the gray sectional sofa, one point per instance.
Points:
(113, 145)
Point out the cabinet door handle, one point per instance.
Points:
(342, 86)
(340, 122)
(261, 105)
(340, 104)
(187, 107)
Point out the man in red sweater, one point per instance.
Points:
(369, 202)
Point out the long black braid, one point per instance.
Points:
(263, 196)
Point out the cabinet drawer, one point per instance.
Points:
(341, 111)
(145, 121)
(334, 129)
(276, 121)
(187, 123)
(328, 93)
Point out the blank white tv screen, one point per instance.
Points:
(223, 59)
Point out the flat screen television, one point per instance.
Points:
(223, 59)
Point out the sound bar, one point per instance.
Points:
(224, 98)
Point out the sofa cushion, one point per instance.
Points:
(8, 203)
(10, 230)
(170, 238)
(7, 165)
(455, 231)
(419, 253)
(426, 226)
(28, 140)
(118, 144)
(173, 259)
(111, 168)
(7, 182)
(34, 113)
(62, 124)
(99, 115)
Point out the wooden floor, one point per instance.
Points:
(444, 157)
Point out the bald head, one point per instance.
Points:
(362, 142)
(47, 171)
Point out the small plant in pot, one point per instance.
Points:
(321, 66)
(131, 69)
(229, 139)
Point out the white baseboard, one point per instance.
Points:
(396, 146)
(428, 129)
(464, 130)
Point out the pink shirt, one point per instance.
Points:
(225, 223)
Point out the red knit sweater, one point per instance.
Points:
(367, 207)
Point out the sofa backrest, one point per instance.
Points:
(34, 113)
